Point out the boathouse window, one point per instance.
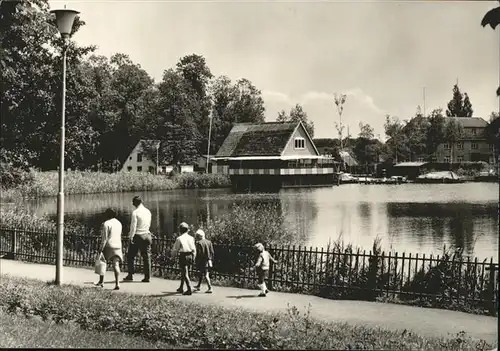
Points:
(446, 146)
(474, 145)
(139, 168)
(300, 143)
(139, 157)
(460, 158)
(460, 146)
(129, 168)
(447, 159)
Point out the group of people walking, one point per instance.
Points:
(191, 251)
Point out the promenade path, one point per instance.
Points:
(423, 321)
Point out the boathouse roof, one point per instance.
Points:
(253, 140)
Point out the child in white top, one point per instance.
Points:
(262, 267)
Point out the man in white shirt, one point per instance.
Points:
(185, 247)
(140, 239)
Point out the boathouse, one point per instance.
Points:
(273, 155)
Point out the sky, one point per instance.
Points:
(381, 54)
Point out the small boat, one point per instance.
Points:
(397, 180)
(347, 178)
(487, 177)
(446, 177)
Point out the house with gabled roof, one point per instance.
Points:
(271, 156)
(139, 161)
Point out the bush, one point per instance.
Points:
(250, 222)
(11, 177)
(36, 184)
(182, 324)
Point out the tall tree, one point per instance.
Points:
(394, 131)
(194, 69)
(453, 132)
(30, 97)
(367, 151)
(467, 107)
(494, 115)
(459, 105)
(224, 97)
(175, 125)
(297, 114)
(339, 100)
(366, 131)
(415, 132)
(129, 83)
(435, 133)
(366, 148)
(492, 133)
(249, 108)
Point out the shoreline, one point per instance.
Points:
(7, 195)
(45, 184)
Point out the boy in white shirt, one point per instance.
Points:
(262, 267)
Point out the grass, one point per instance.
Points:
(185, 324)
(39, 184)
(19, 331)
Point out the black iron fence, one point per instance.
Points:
(448, 281)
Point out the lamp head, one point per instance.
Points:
(64, 20)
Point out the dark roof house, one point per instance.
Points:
(263, 140)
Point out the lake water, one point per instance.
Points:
(414, 218)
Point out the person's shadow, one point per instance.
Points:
(166, 294)
(237, 297)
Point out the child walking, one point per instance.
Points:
(204, 259)
(262, 267)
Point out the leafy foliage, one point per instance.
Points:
(297, 114)
(459, 105)
(365, 131)
(182, 326)
(111, 103)
(492, 18)
(339, 100)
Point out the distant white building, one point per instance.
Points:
(139, 161)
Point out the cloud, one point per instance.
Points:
(314, 95)
(366, 99)
(356, 93)
(320, 108)
(276, 96)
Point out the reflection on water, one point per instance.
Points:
(410, 218)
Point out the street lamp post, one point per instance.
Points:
(209, 137)
(157, 148)
(64, 20)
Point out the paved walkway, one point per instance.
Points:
(423, 321)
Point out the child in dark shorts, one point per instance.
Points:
(204, 259)
(262, 267)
